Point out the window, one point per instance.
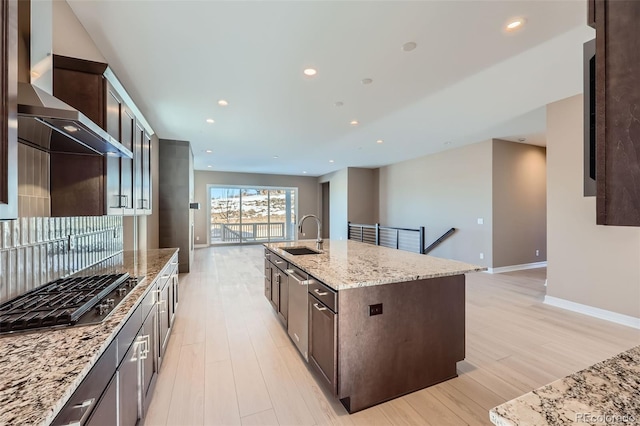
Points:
(253, 214)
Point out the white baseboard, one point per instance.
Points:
(200, 245)
(592, 311)
(517, 267)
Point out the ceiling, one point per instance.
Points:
(468, 80)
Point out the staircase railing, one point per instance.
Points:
(439, 241)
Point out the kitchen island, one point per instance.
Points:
(382, 322)
(605, 393)
(41, 370)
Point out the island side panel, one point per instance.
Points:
(414, 343)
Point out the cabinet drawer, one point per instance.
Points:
(83, 401)
(149, 301)
(267, 270)
(128, 333)
(324, 294)
(279, 262)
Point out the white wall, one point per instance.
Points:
(69, 36)
(592, 265)
(440, 191)
(339, 204)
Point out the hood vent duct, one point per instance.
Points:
(44, 121)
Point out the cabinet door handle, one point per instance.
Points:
(86, 403)
(320, 293)
(317, 306)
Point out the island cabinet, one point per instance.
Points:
(617, 102)
(277, 285)
(381, 322)
(8, 110)
(118, 185)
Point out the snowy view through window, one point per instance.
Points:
(252, 214)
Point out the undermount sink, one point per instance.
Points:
(296, 251)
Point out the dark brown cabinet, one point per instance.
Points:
(322, 338)
(617, 100)
(167, 305)
(149, 359)
(106, 412)
(145, 202)
(8, 111)
(119, 387)
(119, 185)
(277, 285)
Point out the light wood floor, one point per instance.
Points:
(230, 361)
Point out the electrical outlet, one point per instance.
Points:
(537, 252)
(481, 255)
(480, 221)
(375, 309)
(197, 238)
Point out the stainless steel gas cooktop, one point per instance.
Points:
(65, 302)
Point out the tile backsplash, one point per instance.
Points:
(36, 250)
(34, 197)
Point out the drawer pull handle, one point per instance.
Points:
(320, 293)
(317, 306)
(85, 404)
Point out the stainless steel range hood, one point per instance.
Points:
(44, 121)
(47, 123)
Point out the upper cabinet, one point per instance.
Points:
(8, 111)
(122, 185)
(617, 110)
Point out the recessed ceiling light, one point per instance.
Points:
(338, 104)
(304, 173)
(275, 156)
(515, 24)
(70, 128)
(331, 161)
(354, 122)
(409, 46)
(210, 120)
(223, 102)
(379, 141)
(209, 166)
(310, 72)
(208, 151)
(448, 143)
(366, 81)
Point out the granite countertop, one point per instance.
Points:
(39, 371)
(349, 264)
(605, 393)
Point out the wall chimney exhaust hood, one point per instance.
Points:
(47, 123)
(44, 121)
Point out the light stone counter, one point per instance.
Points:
(349, 264)
(605, 393)
(39, 371)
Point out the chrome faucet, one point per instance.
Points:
(319, 239)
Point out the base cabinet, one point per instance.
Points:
(119, 387)
(106, 412)
(322, 342)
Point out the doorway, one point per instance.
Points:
(326, 225)
(242, 214)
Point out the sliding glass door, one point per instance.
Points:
(252, 214)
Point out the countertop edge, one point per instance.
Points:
(398, 279)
